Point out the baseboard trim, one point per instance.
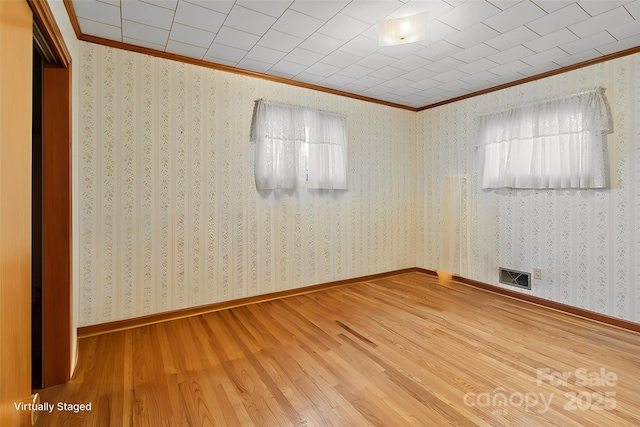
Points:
(120, 325)
(569, 309)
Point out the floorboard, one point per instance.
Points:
(402, 350)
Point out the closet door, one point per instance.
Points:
(16, 41)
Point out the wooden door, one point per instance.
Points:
(16, 40)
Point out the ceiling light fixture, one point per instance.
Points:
(408, 29)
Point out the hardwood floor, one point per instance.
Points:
(399, 351)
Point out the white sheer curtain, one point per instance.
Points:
(553, 144)
(298, 147)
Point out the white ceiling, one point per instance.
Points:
(471, 45)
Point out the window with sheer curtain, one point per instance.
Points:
(553, 144)
(298, 147)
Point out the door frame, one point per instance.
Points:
(57, 320)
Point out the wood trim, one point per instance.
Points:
(71, 11)
(220, 67)
(119, 325)
(562, 70)
(44, 18)
(581, 312)
(56, 229)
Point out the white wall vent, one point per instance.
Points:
(516, 278)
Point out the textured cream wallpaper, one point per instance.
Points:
(587, 242)
(169, 214)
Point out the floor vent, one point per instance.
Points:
(516, 278)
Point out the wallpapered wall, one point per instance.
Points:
(587, 242)
(169, 214)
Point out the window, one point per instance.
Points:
(298, 147)
(554, 144)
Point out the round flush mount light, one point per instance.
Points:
(403, 30)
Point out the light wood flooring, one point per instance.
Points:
(399, 351)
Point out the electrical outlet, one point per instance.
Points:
(537, 273)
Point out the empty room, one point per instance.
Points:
(320, 213)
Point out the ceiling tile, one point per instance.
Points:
(340, 59)
(408, 90)
(145, 33)
(185, 49)
(448, 76)
(323, 10)
(147, 14)
(279, 41)
(478, 78)
(224, 52)
(507, 78)
(424, 84)
(199, 17)
(539, 69)
(552, 5)
(321, 43)
(289, 68)
(437, 31)
(273, 8)
(474, 53)
(591, 42)
(309, 78)
(433, 8)
(356, 71)
(512, 38)
(504, 4)
(343, 27)
(99, 29)
(611, 19)
(546, 56)
(419, 74)
(189, 35)
(371, 11)
(253, 65)
(400, 51)
(554, 39)
(236, 38)
(388, 72)
(97, 11)
(634, 9)
(620, 45)
(264, 54)
(596, 7)
(515, 16)
(439, 50)
(297, 24)
(248, 20)
(411, 62)
(508, 68)
(445, 64)
(375, 91)
(359, 45)
(468, 14)
(625, 31)
(337, 80)
(143, 43)
(376, 61)
(579, 57)
(222, 6)
(368, 81)
(303, 56)
(321, 69)
(558, 19)
(397, 83)
(472, 36)
(511, 54)
(166, 4)
(477, 66)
